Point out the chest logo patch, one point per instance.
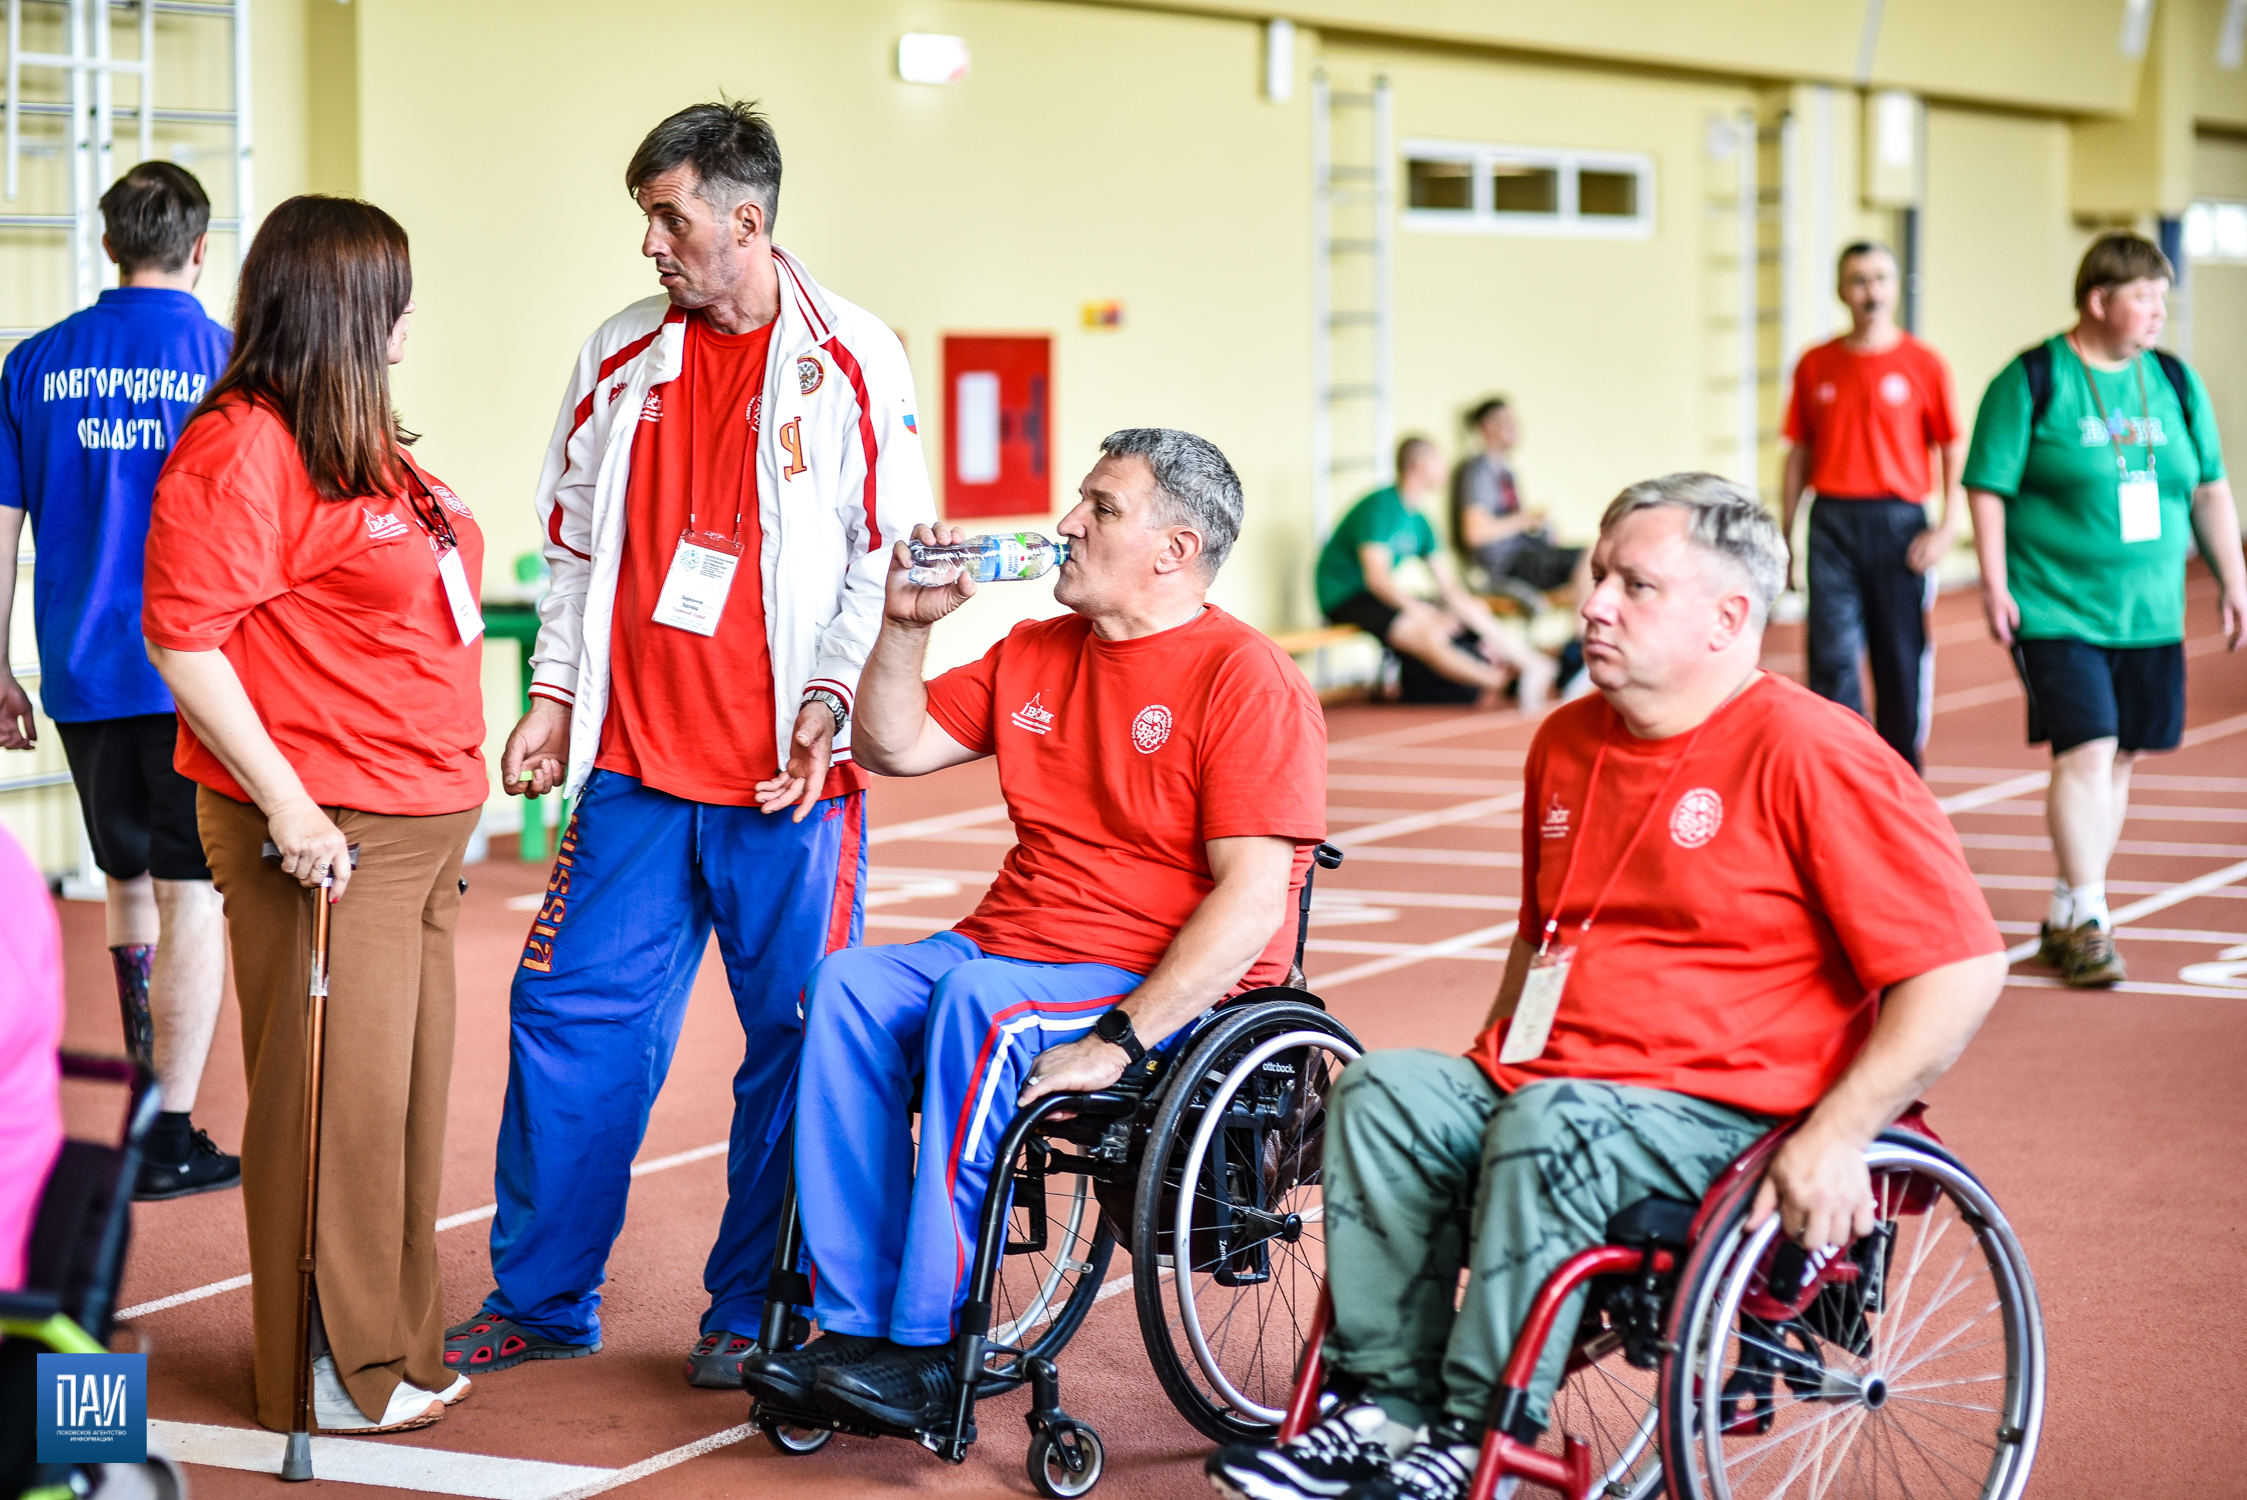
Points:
(1824, 394)
(1895, 389)
(452, 501)
(1034, 716)
(1556, 819)
(651, 410)
(383, 527)
(1696, 818)
(809, 373)
(1151, 730)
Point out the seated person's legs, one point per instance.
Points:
(1427, 634)
(1430, 1169)
(890, 1228)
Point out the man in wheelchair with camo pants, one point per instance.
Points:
(1165, 769)
(1738, 906)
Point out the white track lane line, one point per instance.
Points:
(1435, 818)
(2162, 900)
(1498, 932)
(1996, 791)
(898, 832)
(450, 1221)
(2127, 987)
(432, 1471)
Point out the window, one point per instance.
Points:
(1454, 187)
(2216, 231)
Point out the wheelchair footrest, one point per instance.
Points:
(773, 1414)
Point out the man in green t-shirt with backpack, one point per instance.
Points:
(2095, 462)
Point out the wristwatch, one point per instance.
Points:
(834, 705)
(1114, 1027)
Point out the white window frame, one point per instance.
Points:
(2199, 220)
(1564, 223)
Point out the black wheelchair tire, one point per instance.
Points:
(1166, 1141)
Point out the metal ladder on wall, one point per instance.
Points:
(1353, 242)
(88, 113)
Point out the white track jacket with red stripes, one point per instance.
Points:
(839, 480)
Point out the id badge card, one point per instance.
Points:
(468, 616)
(694, 591)
(2141, 508)
(1540, 1001)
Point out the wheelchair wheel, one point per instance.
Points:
(1228, 1249)
(1611, 1404)
(1057, 1257)
(1920, 1374)
(1065, 1461)
(798, 1441)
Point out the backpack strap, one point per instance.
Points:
(2036, 366)
(2174, 368)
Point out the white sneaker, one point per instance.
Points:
(410, 1405)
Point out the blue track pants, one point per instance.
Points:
(598, 999)
(892, 1238)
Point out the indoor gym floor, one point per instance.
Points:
(2111, 1126)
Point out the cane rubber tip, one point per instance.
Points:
(296, 1463)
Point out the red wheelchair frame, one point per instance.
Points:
(1504, 1456)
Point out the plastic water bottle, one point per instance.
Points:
(1008, 556)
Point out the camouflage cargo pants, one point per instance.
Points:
(1429, 1170)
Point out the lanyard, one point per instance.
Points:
(748, 452)
(433, 520)
(2121, 464)
(1591, 792)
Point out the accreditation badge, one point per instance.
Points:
(694, 591)
(2140, 496)
(468, 616)
(1533, 1015)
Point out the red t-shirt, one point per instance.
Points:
(1119, 759)
(694, 455)
(1869, 419)
(331, 612)
(1794, 868)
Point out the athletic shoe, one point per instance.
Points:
(1439, 1467)
(2091, 962)
(333, 1410)
(206, 1169)
(905, 1390)
(456, 1392)
(1345, 1449)
(714, 1363)
(786, 1377)
(487, 1344)
(2051, 945)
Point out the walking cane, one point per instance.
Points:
(296, 1463)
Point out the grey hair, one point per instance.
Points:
(729, 144)
(1197, 485)
(1723, 517)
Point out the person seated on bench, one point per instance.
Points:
(1165, 768)
(1745, 906)
(1452, 649)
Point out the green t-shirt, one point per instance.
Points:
(2069, 569)
(1380, 517)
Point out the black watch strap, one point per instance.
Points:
(1114, 1026)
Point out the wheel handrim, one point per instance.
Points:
(1924, 1401)
(1182, 1239)
(1613, 1406)
(1042, 1311)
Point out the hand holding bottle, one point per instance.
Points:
(915, 603)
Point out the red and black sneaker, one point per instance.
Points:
(485, 1343)
(714, 1363)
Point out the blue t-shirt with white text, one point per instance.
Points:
(89, 410)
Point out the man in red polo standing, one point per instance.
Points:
(1868, 411)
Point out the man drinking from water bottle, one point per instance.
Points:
(694, 423)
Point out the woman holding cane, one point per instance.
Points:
(311, 602)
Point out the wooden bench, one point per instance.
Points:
(1304, 642)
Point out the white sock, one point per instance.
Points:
(2090, 903)
(2062, 907)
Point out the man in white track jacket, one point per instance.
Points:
(732, 463)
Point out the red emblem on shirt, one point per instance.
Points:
(809, 373)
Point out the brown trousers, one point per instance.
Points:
(389, 1060)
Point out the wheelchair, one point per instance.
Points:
(1208, 1174)
(1713, 1361)
(67, 1305)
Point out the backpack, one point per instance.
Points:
(2036, 365)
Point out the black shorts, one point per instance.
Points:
(140, 812)
(1543, 565)
(2078, 692)
(1367, 613)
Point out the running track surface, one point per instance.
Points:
(2111, 1126)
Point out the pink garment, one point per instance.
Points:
(30, 1033)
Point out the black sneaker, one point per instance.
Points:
(714, 1363)
(905, 1390)
(1343, 1450)
(786, 1378)
(485, 1345)
(206, 1170)
(1441, 1466)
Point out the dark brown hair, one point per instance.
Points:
(2118, 257)
(153, 216)
(325, 281)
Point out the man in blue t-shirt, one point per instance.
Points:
(88, 410)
